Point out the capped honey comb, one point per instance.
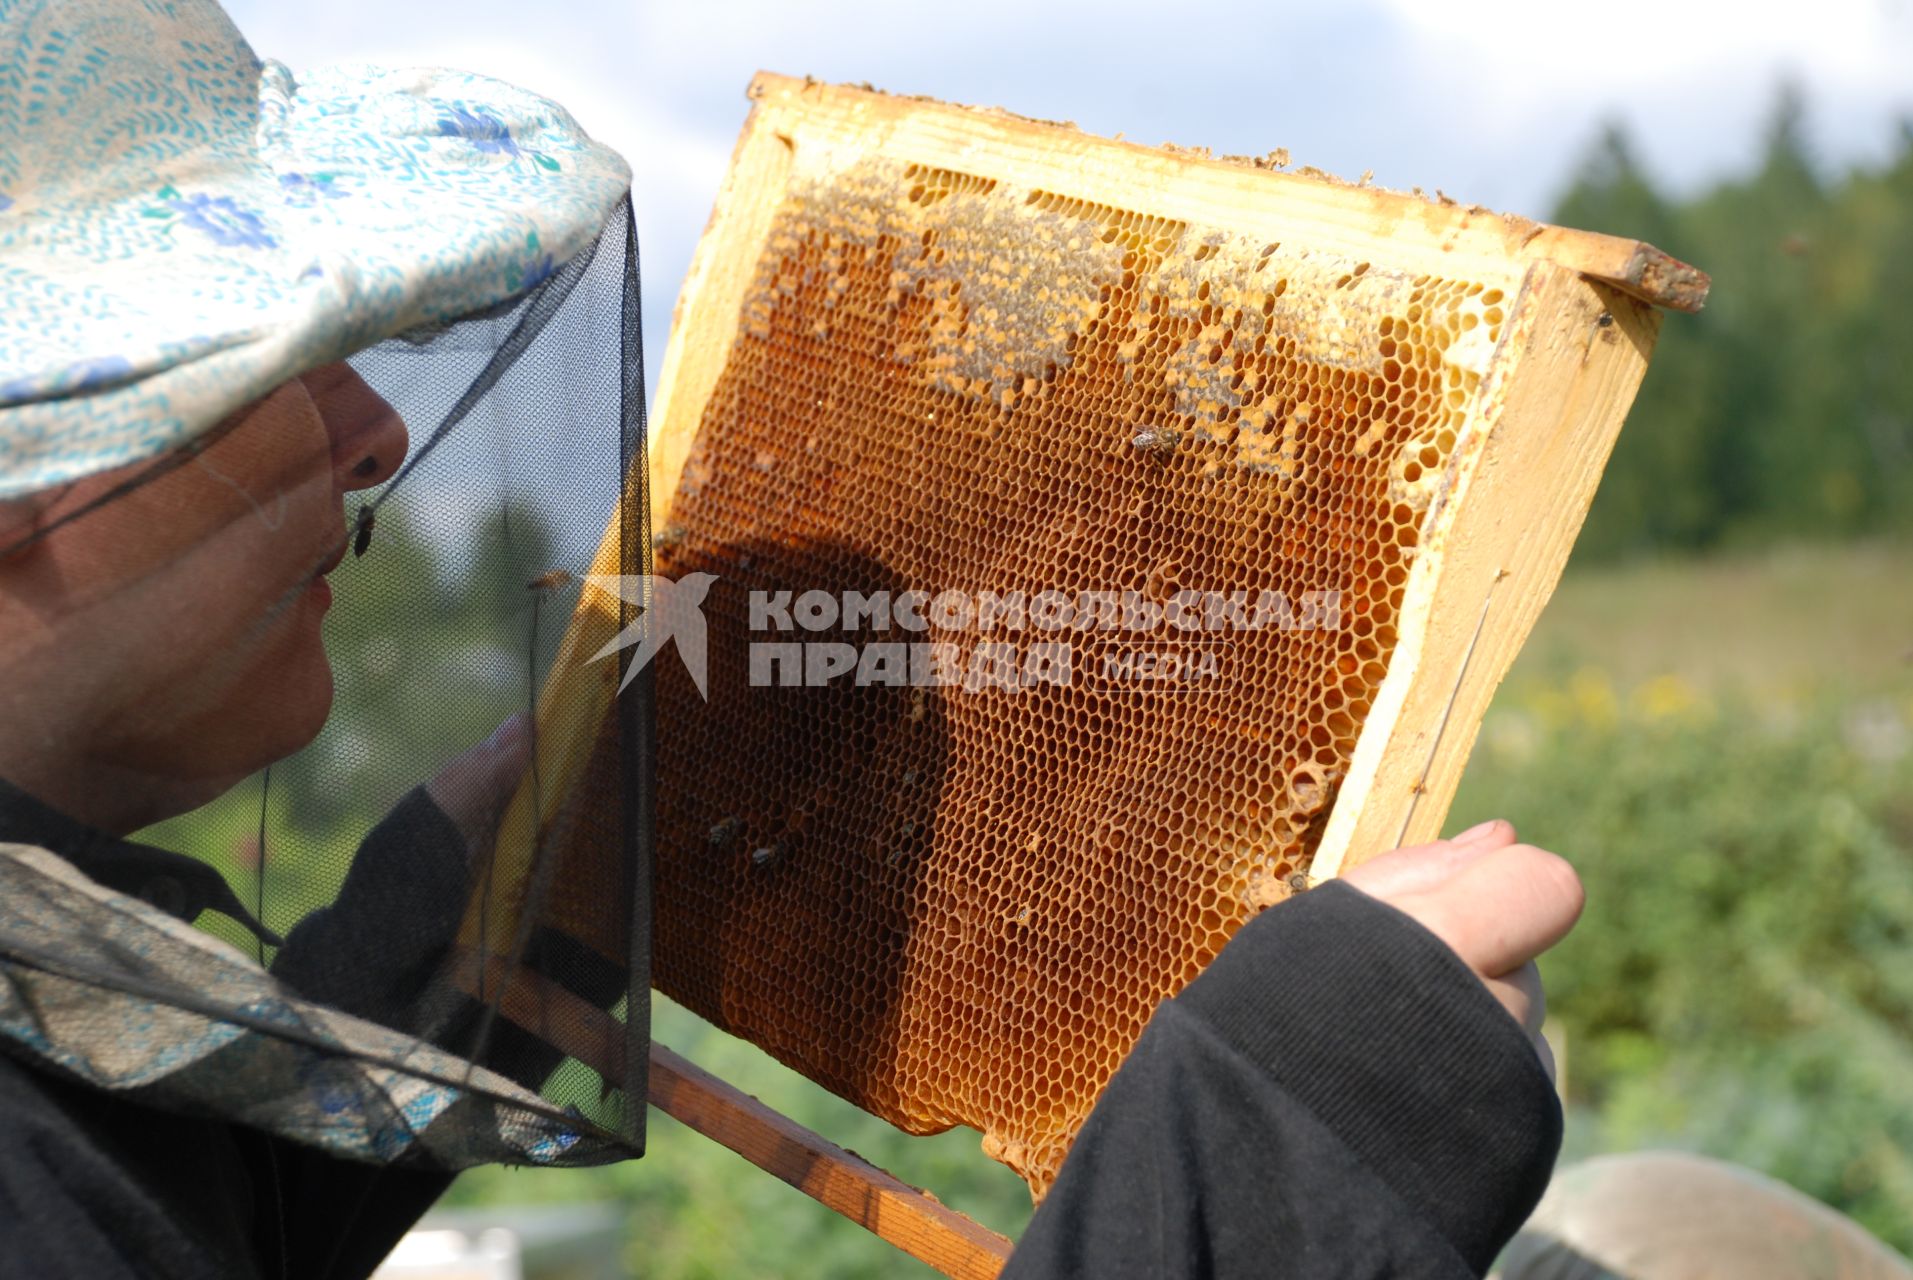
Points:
(1334, 441)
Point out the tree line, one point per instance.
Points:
(1785, 409)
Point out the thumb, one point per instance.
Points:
(1422, 867)
(473, 788)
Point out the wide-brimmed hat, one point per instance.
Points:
(184, 226)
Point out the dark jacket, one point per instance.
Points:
(95, 1184)
(1336, 1096)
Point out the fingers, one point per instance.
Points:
(1491, 834)
(1521, 994)
(1546, 1053)
(474, 788)
(1503, 908)
(1495, 903)
(1422, 867)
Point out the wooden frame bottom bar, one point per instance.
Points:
(907, 1217)
(911, 1219)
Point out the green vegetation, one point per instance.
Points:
(1725, 751)
(696, 1210)
(1785, 409)
(416, 623)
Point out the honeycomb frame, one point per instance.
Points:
(1524, 344)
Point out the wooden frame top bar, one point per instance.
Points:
(1306, 204)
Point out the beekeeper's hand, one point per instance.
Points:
(1495, 903)
(474, 788)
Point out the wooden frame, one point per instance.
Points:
(908, 1217)
(1578, 337)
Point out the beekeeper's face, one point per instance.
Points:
(167, 643)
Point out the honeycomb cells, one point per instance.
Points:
(959, 905)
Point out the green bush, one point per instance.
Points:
(1742, 981)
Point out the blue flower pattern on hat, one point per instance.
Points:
(537, 272)
(225, 221)
(86, 375)
(482, 131)
(233, 225)
(306, 189)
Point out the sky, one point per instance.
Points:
(1493, 101)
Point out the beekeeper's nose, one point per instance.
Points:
(368, 436)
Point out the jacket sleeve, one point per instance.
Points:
(374, 951)
(1337, 1095)
(378, 951)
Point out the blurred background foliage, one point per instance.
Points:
(1713, 720)
(1723, 749)
(1785, 409)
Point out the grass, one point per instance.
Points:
(1802, 622)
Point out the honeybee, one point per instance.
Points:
(551, 580)
(1160, 441)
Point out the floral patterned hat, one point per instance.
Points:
(184, 226)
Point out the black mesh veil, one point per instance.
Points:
(394, 716)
